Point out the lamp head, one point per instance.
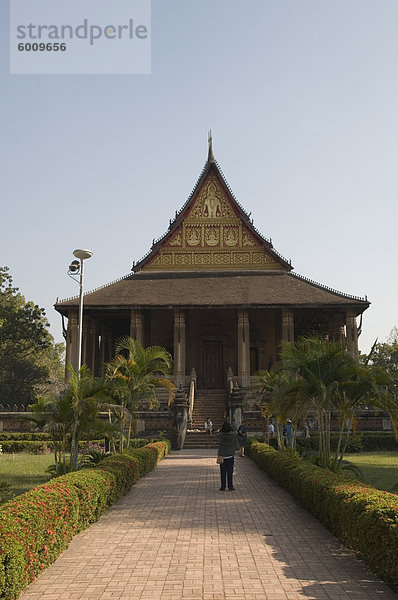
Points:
(74, 266)
(82, 254)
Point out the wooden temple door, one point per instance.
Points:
(213, 375)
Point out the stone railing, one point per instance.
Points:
(181, 409)
(191, 397)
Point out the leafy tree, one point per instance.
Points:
(52, 359)
(385, 355)
(28, 354)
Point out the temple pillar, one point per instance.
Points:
(72, 341)
(86, 346)
(351, 332)
(243, 348)
(336, 329)
(287, 326)
(137, 325)
(67, 336)
(94, 349)
(179, 347)
(102, 350)
(109, 347)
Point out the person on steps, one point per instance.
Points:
(208, 426)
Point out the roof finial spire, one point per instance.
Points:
(210, 157)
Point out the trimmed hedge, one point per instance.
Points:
(33, 447)
(37, 526)
(362, 442)
(362, 517)
(31, 436)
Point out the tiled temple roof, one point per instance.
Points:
(229, 288)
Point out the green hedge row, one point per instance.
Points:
(362, 442)
(33, 447)
(37, 526)
(14, 435)
(362, 517)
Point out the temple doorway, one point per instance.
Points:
(213, 371)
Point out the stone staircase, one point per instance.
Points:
(200, 439)
(208, 403)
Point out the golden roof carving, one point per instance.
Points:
(211, 202)
(212, 232)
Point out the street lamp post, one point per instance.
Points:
(76, 268)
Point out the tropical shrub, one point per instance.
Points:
(124, 470)
(147, 458)
(137, 443)
(162, 447)
(365, 519)
(35, 528)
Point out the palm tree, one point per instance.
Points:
(133, 377)
(322, 370)
(54, 416)
(86, 396)
(362, 384)
(272, 391)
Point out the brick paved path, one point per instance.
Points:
(176, 537)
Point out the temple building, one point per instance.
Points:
(215, 293)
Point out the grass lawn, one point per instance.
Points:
(380, 469)
(24, 471)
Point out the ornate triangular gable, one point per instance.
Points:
(212, 232)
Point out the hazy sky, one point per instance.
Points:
(302, 98)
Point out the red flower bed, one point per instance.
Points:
(37, 526)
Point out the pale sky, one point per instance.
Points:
(301, 97)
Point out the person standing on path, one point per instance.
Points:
(226, 449)
(242, 437)
(289, 433)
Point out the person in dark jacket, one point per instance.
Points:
(226, 449)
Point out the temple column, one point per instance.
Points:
(243, 348)
(287, 326)
(72, 341)
(351, 332)
(336, 329)
(179, 347)
(93, 347)
(102, 350)
(86, 346)
(67, 336)
(109, 347)
(137, 325)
